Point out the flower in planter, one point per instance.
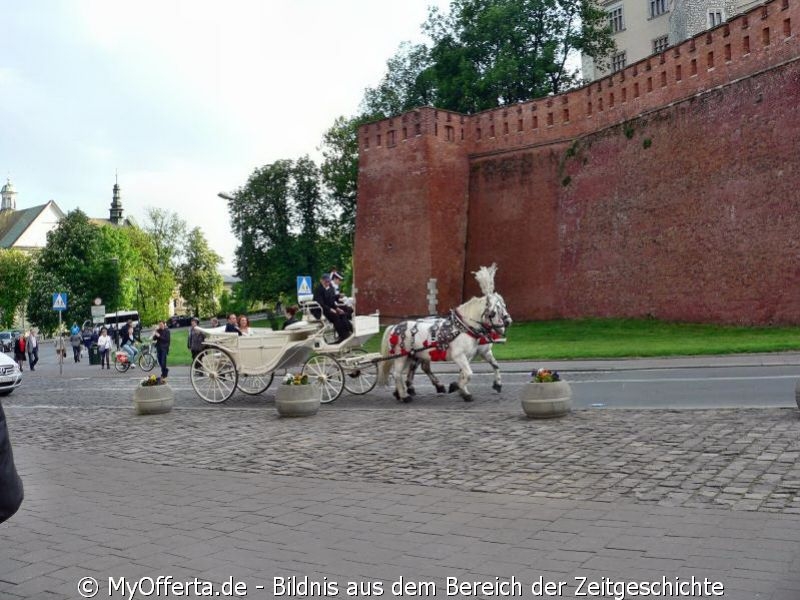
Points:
(152, 380)
(545, 376)
(295, 379)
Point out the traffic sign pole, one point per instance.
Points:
(61, 351)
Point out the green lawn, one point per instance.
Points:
(604, 338)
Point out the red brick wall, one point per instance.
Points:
(580, 216)
(411, 219)
(702, 225)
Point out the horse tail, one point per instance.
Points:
(385, 365)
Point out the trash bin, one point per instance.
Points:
(94, 355)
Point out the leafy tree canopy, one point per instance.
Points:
(14, 284)
(198, 278)
(486, 53)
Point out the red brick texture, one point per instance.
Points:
(669, 189)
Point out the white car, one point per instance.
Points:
(10, 375)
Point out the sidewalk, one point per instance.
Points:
(88, 516)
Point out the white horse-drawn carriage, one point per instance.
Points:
(248, 363)
(230, 361)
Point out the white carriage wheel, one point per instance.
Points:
(213, 375)
(326, 374)
(360, 380)
(254, 384)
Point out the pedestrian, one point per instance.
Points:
(11, 492)
(32, 348)
(104, 346)
(194, 341)
(162, 339)
(89, 339)
(75, 341)
(19, 350)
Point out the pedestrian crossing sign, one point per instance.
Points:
(304, 291)
(60, 301)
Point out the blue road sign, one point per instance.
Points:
(304, 290)
(60, 301)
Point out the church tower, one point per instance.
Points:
(115, 214)
(9, 195)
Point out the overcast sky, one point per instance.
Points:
(183, 98)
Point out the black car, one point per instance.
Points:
(179, 321)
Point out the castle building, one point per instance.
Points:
(26, 228)
(668, 190)
(642, 28)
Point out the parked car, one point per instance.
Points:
(179, 321)
(10, 375)
(6, 341)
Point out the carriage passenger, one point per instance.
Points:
(244, 325)
(291, 316)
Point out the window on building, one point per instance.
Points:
(618, 62)
(715, 17)
(658, 7)
(615, 17)
(660, 44)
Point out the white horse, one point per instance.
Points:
(456, 338)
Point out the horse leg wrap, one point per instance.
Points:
(497, 387)
(453, 387)
(440, 389)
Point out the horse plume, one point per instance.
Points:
(485, 278)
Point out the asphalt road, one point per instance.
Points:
(607, 385)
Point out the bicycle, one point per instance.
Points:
(146, 359)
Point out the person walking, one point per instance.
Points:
(194, 341)
(75, 341)
(19, 350)
(162, 338)
(32, 348)
(104, 346)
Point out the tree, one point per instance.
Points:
(14, 284)
(70, 262)
(285, 225)
(199, 281)
(486, 53)
(168, 232)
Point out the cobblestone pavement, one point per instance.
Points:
(740, 459)
(427, 490)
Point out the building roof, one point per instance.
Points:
(13, 223)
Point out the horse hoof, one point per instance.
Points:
(467, 397)
(412, 391)
(453, 387)
(440, 389)
(407, 399)
(396, 395)
(497, 387)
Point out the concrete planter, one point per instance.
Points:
(297, 400)
(546, 400)
(153, 399)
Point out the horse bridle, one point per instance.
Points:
(487, 327)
